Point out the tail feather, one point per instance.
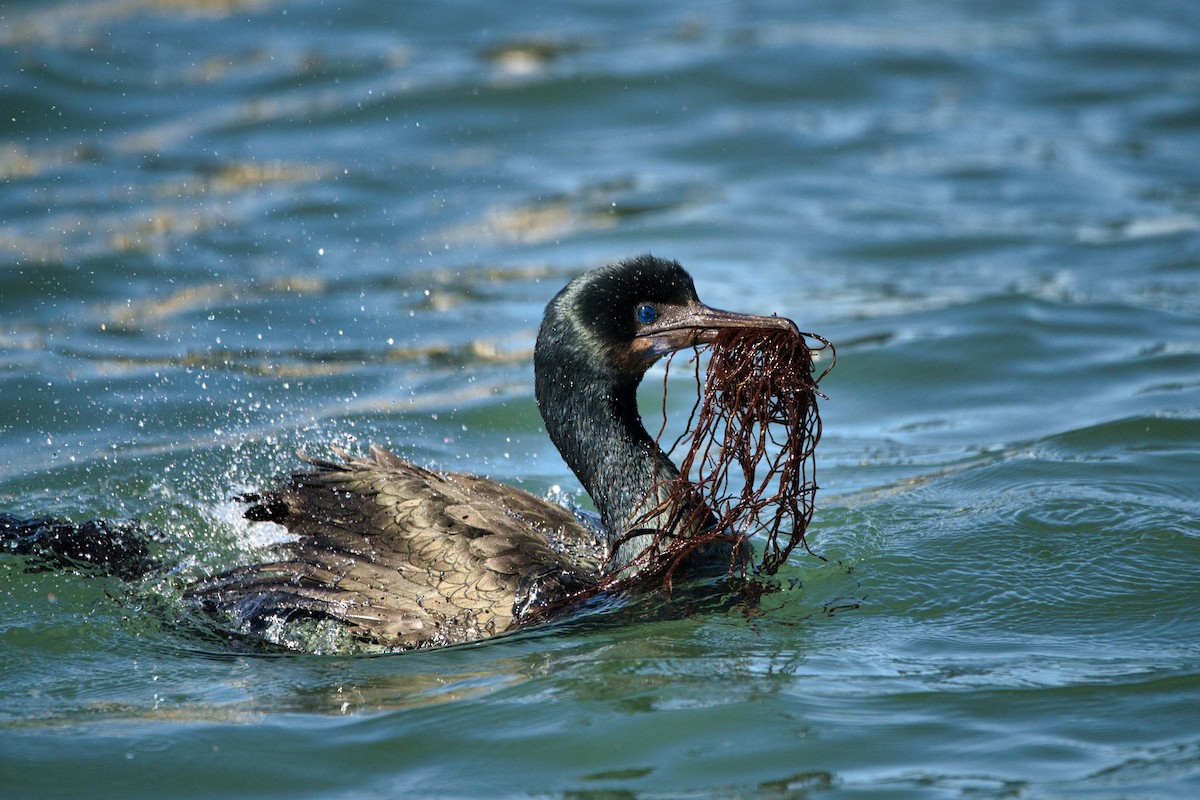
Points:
(96, 547)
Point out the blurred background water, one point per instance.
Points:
(230, 228)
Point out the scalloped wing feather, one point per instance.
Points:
(403, 557)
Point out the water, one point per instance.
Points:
(230, 229)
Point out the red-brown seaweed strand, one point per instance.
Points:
(757, 410)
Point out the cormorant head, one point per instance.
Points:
(597, 339)
(621, 318)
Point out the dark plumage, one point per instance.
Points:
(398, 556)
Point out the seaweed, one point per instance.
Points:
(749, 464)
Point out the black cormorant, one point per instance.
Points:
(398, 556)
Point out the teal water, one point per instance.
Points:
(230, 229)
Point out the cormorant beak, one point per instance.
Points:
(678, 327)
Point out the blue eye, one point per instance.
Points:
(646, 314)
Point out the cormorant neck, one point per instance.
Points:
(594, 422)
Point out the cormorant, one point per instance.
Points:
(396, 556)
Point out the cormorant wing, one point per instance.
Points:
(404, 557)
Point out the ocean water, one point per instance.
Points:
(232, 228)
